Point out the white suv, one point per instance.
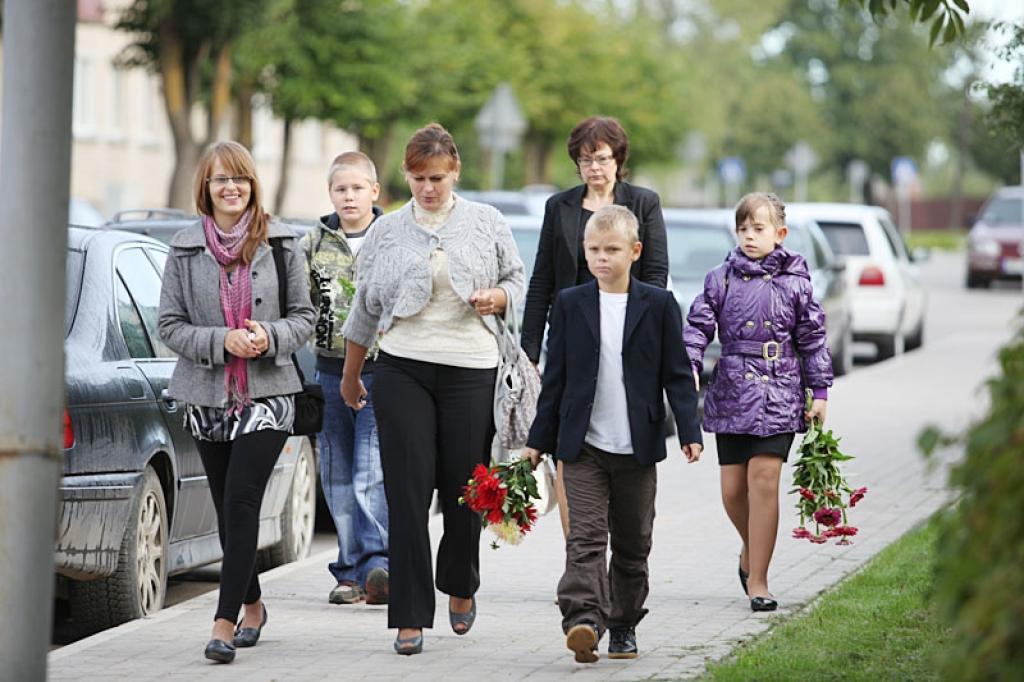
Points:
(888, 300)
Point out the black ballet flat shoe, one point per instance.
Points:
(763, 604)
(464, 619)
(245, 637)
(743, 578)
(408, 647)
(220, 651)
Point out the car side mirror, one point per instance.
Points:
(838, 266)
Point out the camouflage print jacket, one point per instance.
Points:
(330, 267)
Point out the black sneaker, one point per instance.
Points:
(622, 642)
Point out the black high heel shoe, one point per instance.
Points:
(245, 637)
(220, 651)
(743, 578)
(408, 647)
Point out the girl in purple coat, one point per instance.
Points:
(773, 347)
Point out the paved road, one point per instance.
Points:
(698, 612)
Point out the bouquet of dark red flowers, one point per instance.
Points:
(821, 488)
(503, 495)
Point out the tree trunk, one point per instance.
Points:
(963, 135)
(286, 152)
(178, 105)
(243, 115)
(537, 158)
(379, 149)
(220, 95)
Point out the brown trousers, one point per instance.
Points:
(607, 494)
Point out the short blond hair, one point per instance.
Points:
(352, 160)
(614, 217)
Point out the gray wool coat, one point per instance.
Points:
(192, 322)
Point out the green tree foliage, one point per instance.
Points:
(189, 43)
(945, 17)
(1007, 114)
(873, 82)
(979, 579)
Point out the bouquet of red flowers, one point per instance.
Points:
(822, 487)
(503, 495)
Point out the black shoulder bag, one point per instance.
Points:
(309, 404)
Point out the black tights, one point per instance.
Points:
(238, 472)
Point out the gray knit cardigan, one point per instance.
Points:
(393, 268)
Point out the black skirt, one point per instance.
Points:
(738, 448)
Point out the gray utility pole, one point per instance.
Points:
(35, 168)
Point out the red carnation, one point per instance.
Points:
(806, 494)
(827, 516)
(818, 539)
(801, 533)
(846, 531)
(857, 496)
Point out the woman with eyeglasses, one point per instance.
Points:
(220, 312)
(599, 148)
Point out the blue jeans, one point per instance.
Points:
(353, 482)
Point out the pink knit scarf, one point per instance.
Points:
(235, 299)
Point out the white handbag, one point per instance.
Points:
(517, 386)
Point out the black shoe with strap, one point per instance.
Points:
(763, 604)
(622, 642)
(220, 651)
(249, 636)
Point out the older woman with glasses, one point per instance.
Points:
(599, 148)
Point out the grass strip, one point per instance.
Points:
(939, 240)
(878, 624)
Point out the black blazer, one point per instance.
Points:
(653, 360)
(557, 262)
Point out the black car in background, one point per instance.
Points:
(135, 506)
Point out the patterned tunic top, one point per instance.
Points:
(276, 413)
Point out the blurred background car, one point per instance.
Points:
(135, 506)
(994, 242)
(511, 203)
(84, 214)
(887, 298)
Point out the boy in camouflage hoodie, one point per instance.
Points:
(350, 468)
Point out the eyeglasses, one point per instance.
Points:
(223, 180)
(600, 160)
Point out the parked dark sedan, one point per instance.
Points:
(135, 505)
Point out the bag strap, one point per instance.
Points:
(508, 327)
(277, 248)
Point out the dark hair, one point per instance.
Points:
(591, 133)
(236, 160)
(429, 142)
(751, 202)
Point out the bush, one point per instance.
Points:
(980, 566)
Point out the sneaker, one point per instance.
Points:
(622, 642)
(377, 586)
(581, 639)
(347, 592)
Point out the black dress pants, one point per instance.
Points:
(435, 423)
(238, 472)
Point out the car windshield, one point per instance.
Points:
(1003, 211)
(73, 270)
(846, 239)
(526, 241)
(799, 241)
(694, 249)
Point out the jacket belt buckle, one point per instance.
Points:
(768, 354)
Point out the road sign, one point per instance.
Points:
(500, 122)
(904, 171)
(732, 170)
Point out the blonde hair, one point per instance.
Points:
(749, 204)
(236, 160)
(617, 218)
(353, 160)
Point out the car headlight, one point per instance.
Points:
(986, 247)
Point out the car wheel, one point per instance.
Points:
(299, 514)
(843, 360)
(976, 281)
(891, 346)
(138, 586)
(916, 339)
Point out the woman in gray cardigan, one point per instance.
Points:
(431, 278)
(219, 312)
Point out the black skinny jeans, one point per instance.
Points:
(435, 423)
(238, 472)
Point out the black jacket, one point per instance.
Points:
(653, 360)
(556, 266)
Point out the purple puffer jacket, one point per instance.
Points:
(753, 302)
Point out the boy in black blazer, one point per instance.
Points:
(614, 346)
